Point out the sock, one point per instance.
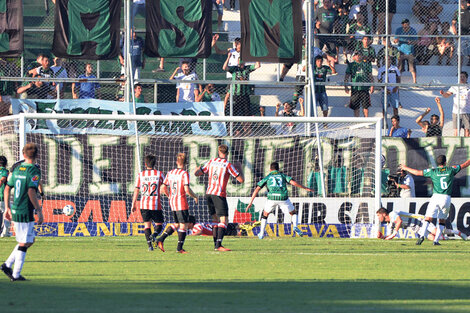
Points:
(11, 259)
(295, 222)
(158, 230)
(20, 255)
(147, 233)
(168, 231)
(439, 231)
(424, 229)
(214, 233)
(220, 235)
(262, 228)
(181, 238)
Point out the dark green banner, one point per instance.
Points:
(87, 29)
(11, 28)
(271, 30)
(180, 28)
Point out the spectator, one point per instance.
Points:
(406, 47)
(208, 94)
(380, 7)
(393, 96)
(7, 88)
(396, 130)
(137, 54)
(426, 45)
(121, 90)
(358, 7)
(289, 111)
(138, 96)
(219, 4)
(39, 89)
(425, 10)
(405, 184)
(461, 105)
(445, 45)
(161, 67)
(325, 17)
(340, 27)
(435, 125)
(365, 47)
(358, 30)
(138, 6)
(232, 5)
(359, 72)
(185, 92)
(319, 75)
(241, 92)
(34, 64)
(86, 90)
(300, 77)
(393, 53)
(465, 26)
(59, 72)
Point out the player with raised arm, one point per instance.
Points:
(148, 184)
(401, 219)
(278, 195)
(220, 170)
(25, 181)
(5, 230)
(176, 187)
(442, 180)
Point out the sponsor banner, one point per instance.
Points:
(95, 106)
(87, 29)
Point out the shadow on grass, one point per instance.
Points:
(306, 296)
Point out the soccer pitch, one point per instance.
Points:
(271, 275)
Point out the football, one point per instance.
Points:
(68, 210)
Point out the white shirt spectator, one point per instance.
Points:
(393, 74)
(409, 181)
(464, 99)
(233, 61)
(186, 93)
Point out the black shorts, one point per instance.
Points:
(181, 216)
(359, 98)
(217, 205)
(152, 215)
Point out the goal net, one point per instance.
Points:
(91, 162)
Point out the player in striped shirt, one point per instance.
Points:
(175, 187)
(219, 170)
(401, 219)
(148, 185)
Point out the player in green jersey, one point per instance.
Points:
(3, 180)
(24, 180)
(278, 195)
(442, 178)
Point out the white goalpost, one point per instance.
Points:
(91, 162)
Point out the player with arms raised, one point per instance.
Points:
(400, 219)
(175, 187)
(442, 180)
(278, 195)
(148, 184)
(24, 180)
(219, 170)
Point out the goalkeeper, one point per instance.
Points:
(400, 219)
(276, 183)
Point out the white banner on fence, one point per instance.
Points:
(95, 106)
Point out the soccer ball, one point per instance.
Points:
(68, 210)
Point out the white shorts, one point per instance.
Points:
(285, 205)
(24, 232)
(439, 206)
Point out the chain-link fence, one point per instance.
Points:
(417, 49)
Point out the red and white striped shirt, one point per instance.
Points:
(149, 182)
(176, 180)
(205, 229)
(219, 173)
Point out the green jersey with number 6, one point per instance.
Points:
(22, 178)
(442, 178)
(276, 182)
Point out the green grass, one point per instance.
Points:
(272, 275)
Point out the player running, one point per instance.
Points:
(442, 180)
(24, 180)
(148, 183)
(278, 195)
(400, 219)
(219, 170)
(175, 187)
